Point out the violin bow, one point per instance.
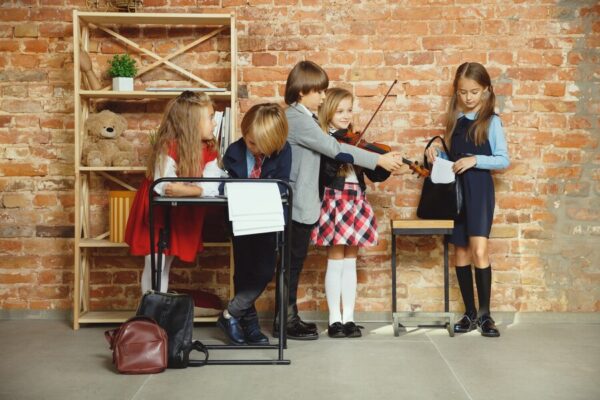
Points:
(377, 110)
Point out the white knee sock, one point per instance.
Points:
(164, 276)
(349, 289)
(333, 289)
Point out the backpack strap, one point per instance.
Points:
(425, 162)
(198, 346)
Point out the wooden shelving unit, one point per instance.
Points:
(83, 24)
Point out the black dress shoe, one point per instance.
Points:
(466, 324)
(252, 333)
(310, 326)
(297, 331)
(352, 330)
(232, 329)
(487, 326)
(336, 330)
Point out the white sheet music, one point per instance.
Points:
(442, 171)
(254, 207)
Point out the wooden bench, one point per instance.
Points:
(422, 227)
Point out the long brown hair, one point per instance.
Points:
(180, 127)
(478, 132)
(305, 77)
(333, 98)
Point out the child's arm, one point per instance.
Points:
(377, 175)
(178, 189)
(499, 158)
(308, 134)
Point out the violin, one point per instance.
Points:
(416, 168)
(354, 138)
(350, 137)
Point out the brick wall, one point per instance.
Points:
(544, 60)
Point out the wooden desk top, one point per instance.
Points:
(422, 224)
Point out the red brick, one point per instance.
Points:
(264, 59)
(554, 89)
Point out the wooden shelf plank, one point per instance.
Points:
(110, 317)
(155, 18)
(107, 243)
(142, 94)
(422, 223)
(114, 169)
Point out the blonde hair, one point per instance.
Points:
(327, 111)
(478, 132)
(268, 126)
(180, 127)
(306, 76)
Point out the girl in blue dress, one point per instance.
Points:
(476, 141)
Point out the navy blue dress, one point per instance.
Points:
(477, 213)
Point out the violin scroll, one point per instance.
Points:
(416, 168)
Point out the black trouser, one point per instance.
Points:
(298, 250)
(255, 258)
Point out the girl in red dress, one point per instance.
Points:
(184, 144)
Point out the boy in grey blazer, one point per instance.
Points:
(304, 92)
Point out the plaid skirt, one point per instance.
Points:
(346, 218)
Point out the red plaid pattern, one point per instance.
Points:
(346, 218)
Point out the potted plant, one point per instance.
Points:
(122, 70)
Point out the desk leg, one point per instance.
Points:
(446, 277)
(393, 272)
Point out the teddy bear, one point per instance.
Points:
(104, 145)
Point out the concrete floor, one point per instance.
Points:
(44, 359)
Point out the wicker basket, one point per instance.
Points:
(120, 202)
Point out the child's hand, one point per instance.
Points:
(389, 161)
(431, 153)
(464, 164)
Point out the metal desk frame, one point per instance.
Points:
(283, 271)
(419, 227)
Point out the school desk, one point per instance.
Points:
(421, 227)
(283, 239)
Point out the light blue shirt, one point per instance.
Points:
(250, 161)
(499, 158)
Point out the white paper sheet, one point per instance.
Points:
(254, 207)
(442, 171)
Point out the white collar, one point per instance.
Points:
(472, 115)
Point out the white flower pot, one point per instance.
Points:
(122, 84)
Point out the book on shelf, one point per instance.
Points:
(218, 122)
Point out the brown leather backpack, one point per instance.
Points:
(139, 346)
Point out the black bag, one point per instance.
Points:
(175, 314)
(440, 200)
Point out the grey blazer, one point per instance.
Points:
(308, 142)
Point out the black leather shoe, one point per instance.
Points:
(336, 330)
(352, 330)
(487, 326)
(252, 333)
(296, 331)
(466, 324)
(310, 326)
(232, 329)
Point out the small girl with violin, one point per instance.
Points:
(347, 220)
(304, 93)
(184, 144)
(476, 140)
